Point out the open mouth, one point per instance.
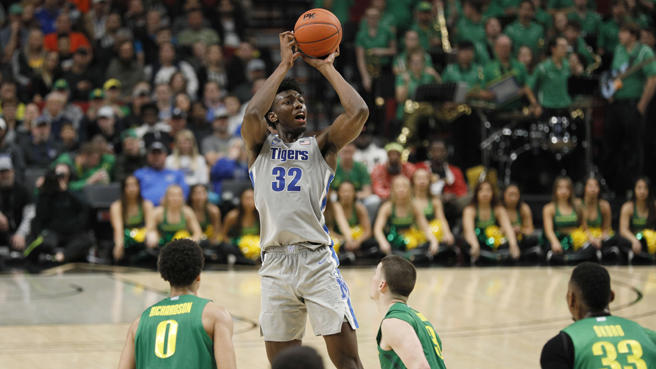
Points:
(300, 117)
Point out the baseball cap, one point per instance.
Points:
(157, 146)
(60, 84)
(178, 114)
(96, 93)
(112, 83)
(220, 112)
(394, 146)
(106, 112)
(255, 64)
(15, 9)
(5, 163)
(142, 91)
(424, 6)
(129, 133)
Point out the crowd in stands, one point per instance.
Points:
(144, 100)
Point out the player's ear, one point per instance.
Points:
(612, 296)
(272, 117)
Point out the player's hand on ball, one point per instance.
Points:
(287, 47)
(320, 63)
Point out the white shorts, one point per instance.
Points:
(296, 281)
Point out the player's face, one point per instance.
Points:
(641, 190)
(290, 111)
(592, 188)
(485, 194)
(374, 292)
(511, 196)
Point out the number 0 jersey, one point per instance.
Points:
(291, 183)
(171, 335)
(611, 342)
(430, 341)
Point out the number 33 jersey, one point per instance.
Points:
(291, 183)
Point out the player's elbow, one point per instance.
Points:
(360, 112)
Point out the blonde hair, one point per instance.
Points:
(399, 178)
(164, 202)
(185, 134)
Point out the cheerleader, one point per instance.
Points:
(172, 220)
(348, 221)
(521, 220)
(597, 216)
(638, 223)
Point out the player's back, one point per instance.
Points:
(291, 183)
(430, 341)
(171, 335)
(613, 342)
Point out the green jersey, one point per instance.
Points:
(430, 341)
(611, 342)
(549, 82)
(171, 335)
(531, 35)
(633, 85)
(590, 21)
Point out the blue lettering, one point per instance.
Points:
(284, 155)
(273, 152)
(304, 155)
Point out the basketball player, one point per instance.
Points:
(406, 339)
(596, 338)
(181, 331)
(291, 176)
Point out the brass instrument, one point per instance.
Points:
(596, 64)
(414, 111)
(442, 28)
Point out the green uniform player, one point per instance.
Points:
(597, 339)
(183, 330)
(406, 339)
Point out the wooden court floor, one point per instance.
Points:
(487, 317)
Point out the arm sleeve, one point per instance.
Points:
(28, 214)
(558, 353)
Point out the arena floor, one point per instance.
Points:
(77, 316)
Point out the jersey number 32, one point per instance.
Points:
(286, 179)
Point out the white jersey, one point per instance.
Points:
(291, 183)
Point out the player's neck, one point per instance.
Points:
(175, 291)
(288, 137)
(386, 301)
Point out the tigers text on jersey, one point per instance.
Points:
(291, 183)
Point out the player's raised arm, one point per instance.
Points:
(348, 125)
(254, 128)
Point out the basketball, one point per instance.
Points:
(318, 32)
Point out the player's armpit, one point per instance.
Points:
(402, 338)
(224, 350)
(127, 360)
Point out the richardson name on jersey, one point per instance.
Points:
(288, 154)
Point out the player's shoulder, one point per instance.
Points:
(217, 313)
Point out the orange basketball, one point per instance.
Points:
(318, 32)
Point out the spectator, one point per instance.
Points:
(411, 42)
(112, 88)
(12, 150)
(15, 33)
(255, 69)
(492, 31)
(448, 180)
(236, 69)
(589, 20)
(471, 26)
(349, 170)
(233, 166)
(213, 98)
(524, 31)
(397, 217)
(152, 129)
(382, 175)
(47, 14)
(57, 110)
(126, 68)
(418, 74)
(375, 46)
(16, 207)
(197, 121)
(129, 216)
(240, 223)
(549, 81)
(207, 214)
(196, 32)
(90, 165)
(131, 158)
(27, 62)
(215, 146)
(40, 148)
(63, 27)
(46, 77)
(465, 70)
(231, 23)
(31, 115)
(368, 152)
(213, 69)
(140, 97)
(178, 83)
(167, 65)
(106, 47)
(425, 25)
(609, 30)
(154, 178)
(9, 94)
(80, 77)
(525, 56)
(173, 219)
(60, 227)
(96, 19)
(480, 218)
(9, 112)
(68, 138)
(186, 158)
(577, 43)
(164, 101)
(235, 114)
(177, 123)
(108, 127)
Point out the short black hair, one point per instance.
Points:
(593, 281)
(298, 357)
(465, 45)
(286, 85)
(526, 2)
(632, 28)
(180, 262)
(400, 275)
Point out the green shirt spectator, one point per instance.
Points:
(89, 166)
(349, 170)
(381, 37)
(500, 8)
(471, 26)
(524, 31)
(375, 46)
(549, 80)
(543, 18)
(589, 20)
(608, 31)
(196, 32)
(409, 82)
(472, 75)
(339, 7)
(633, 85)
(402, 10)
(401, 62)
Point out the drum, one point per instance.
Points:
(556, 134)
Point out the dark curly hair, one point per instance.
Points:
(594, 282)
(180, 262)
